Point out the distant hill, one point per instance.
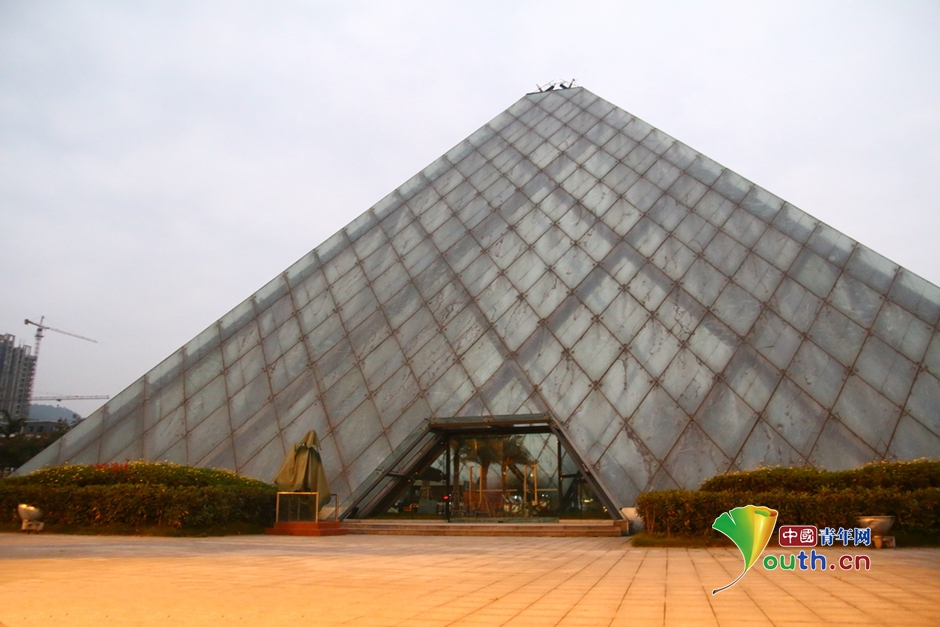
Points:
(51, 413)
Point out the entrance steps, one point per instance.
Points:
(560, 529)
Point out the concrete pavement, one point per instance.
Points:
(435, 581)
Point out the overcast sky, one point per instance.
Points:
(161, 161)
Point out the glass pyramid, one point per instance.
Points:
(567, 258)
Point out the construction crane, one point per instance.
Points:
(40, 327)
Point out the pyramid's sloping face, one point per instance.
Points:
(567, 258)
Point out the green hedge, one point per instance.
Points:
(147, 473)
(902, 476)
(687, 512)
(139, 494)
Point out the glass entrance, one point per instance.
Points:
(518, 477)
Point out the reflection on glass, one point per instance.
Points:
(507, 477)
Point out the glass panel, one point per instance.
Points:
(795, 304)
(695, 232)
(867, 413)
(483, 358)
(560, 169)
(737, 309)
(433, 278)
(658, 422)
(342, 289)
(516, 324)
(582, 122)
(777, 248)
(732, 186)
(650, 286)
(334, 364)
(662, 174)
(626, 384)
(369, 334)
(525, 270)
(345, 395)
(390, 283)
(703, 282)
(680, 155)
(621, 217)
(596, 351)
(872, 269)
(539, 354)
(232, 322)
(924, 402)
(594, 425)
(624, 317)
(194, 378)
(246, 402)
(744, 227)
(680, 313)
(433, 360)
(704, 170)
(462, 253)
(766, 448)
(581, 150)
(358, 308)
(667, 212)
(419, 257)
(752, 377)
(673, 258)
(831, 245)
(714, 208)
(512, 211)
(552, 245)
(643, 194)
(646, 236)
(499, 192)
(621, 178)
(817, 373)
(654, 347)
(598, 241)
(569, 321)
(694, 459)
(912, 440)
(459, 195)
(619, 146)
(564, 388)
(496, 298)
(775, 339)
(725, 254)
(794, 223)
(796, 416)
(839, 449)
(490, 230)
(435, 216)
(573, 266)
(637, 129)
(932, 359)
(465, 329)
(762, 203)
(838, 335)
(205, 437)
(917, 295)
(576, 221)
(687, 190)
(546, 293)
(302, 268)
(359, 227)
(597, 290)
(600, 163)
(902, 331)
(623, 262)
(726, 419)
(507, 160)
(814, 273)
(688, 380)
(356, 433)
(855, 300)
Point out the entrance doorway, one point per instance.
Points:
(483, 469)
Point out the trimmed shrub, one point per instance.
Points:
(903, 476)
(139, 494)
(687, 512)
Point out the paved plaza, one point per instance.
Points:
(52, 580)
